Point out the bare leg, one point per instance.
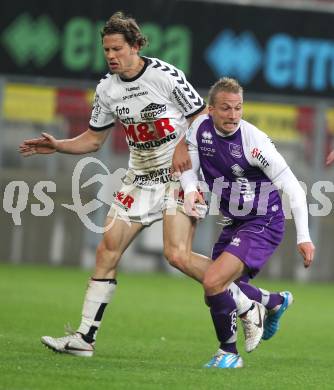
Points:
(216, 277)
(100, 290)
(221, 273)
(114, 243)
(102, 285)
(178, 236)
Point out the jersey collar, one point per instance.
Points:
(146, 63)
(220, 134)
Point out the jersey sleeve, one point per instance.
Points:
(189, 178)
(191, 138)
(289, 184)
(102, 117)
(184, 95)
(191, 133)
(263, 154)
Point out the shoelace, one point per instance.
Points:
(217, 358)
(69, 330)
(69, 333)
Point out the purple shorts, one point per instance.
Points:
(253, 242)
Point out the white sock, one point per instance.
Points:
(98, 295)
(265, 296)
(242, 302)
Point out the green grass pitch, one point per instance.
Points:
(157, 334)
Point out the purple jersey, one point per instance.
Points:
(244, 189)
(243, 170)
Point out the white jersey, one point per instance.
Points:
(152, 108)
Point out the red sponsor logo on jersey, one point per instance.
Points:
(256, 153)
(143, 132)
(126, 200)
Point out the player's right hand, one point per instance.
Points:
(306, 249)
(46, 144)
(330, 158)
(190, 201)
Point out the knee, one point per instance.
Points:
(213, 284)
(176, 257)
(209, 282)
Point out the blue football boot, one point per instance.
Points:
(224, 359)
(271, 323)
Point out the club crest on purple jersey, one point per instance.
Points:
(235, 150)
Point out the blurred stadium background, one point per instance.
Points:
(51, 59)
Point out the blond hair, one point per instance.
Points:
(225, 84)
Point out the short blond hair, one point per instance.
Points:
(225, 84)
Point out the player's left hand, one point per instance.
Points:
(306, 249)
(181, 160)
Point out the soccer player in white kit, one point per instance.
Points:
(153, 101)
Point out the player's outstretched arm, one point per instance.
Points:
(89, 141)
(330, 158)
(306, 249)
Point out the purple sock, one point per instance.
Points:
(250, 291)
(224, 317)
(274, 300)
(244, 278)
(255, 294)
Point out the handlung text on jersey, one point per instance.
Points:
(152, 144)
(149, 134)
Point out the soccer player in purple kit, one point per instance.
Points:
(244, 170)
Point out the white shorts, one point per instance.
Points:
(144, 198)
